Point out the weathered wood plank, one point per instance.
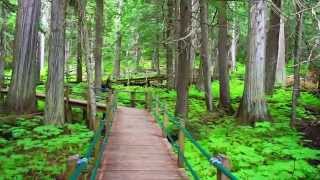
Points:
(137, 150)
(73, 102)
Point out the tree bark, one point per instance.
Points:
(42, 49)
(253, 105)
(204, 53)
(234, 41)
(85, 46)
(117, 58)
(79, 52)
(281, 64)
(156, 56)
(272, 49)
(296, 63)
(184, 59)
(45, 21)
(54, 110)
(22, 92)
(177, 36)
(183, 71)
(170, 44)
(234, 49)
(155, 59)
(37, 68)
(66, 59)
(195, 39)
(137, 50)
(2, 45)
(99, 42)
(224, 100)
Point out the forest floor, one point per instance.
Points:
(257, 152)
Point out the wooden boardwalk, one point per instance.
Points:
(73, 102)
(137, 150)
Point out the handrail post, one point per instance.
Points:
(226, 163)
(109, 103)
(146, 99)
(68, 110)
(71, 165)
(133, 98)
(97, 150)
(165, 122)
(157, 107)
(89, 120)
(181, 143)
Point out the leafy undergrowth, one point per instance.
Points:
(271, 150)
(261, 152)
(30, 150)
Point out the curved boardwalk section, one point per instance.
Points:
(137, 150)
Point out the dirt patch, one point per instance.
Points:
(311, 130)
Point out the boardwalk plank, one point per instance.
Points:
(137, 150)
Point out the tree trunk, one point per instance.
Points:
(184, 59)
(196, 31)
(296, 63)
(45, 21)
(177, 36)
(66, 58)
(170, 44)
(2, 45)
(233, 49)
(54, 110)
(204, 53)
(281, 64)
(37, 68)
(234, 42)
(137, 50)
(153, 61)
(42, 50)
(79, 53)
(85, 46)
(117, 58)
(272, 48)
(253, 105)
(156, 56)
(22, 92)
(99, 42)
(224, 100)
(183, 71)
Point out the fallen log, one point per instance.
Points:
(11, 119)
